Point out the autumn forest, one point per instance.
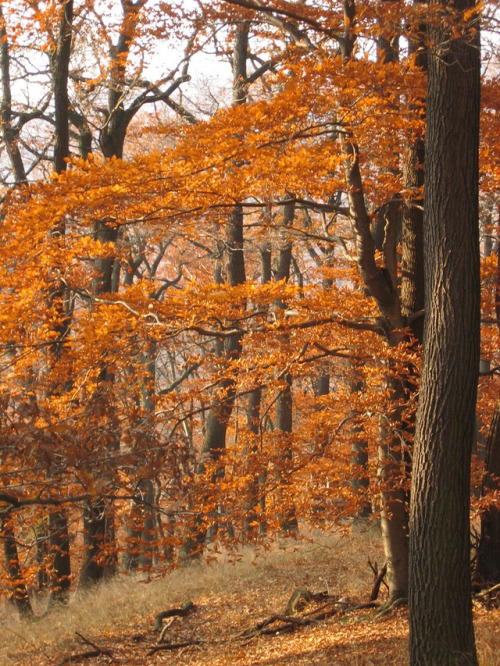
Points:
(250, 284)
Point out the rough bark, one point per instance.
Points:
(96, 535)
(391, 473)
(412, 266)
(412, 261)
(441, 630)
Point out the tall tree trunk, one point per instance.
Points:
(283, 420)
(380, 284)
(361, 480)
(412, 241)
(142, 520)
(440, 583)
(98, 515)
(214, 441)
(256, 496)
(100, 556)
(98, 535)
(10, 137)
(60, 75)
(59, 541)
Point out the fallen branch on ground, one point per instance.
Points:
(379, 579)
(289, 623)
(173, 612)
(490, 590)
(96, 652)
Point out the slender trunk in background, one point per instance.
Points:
(142, 520)
(412, 241)
(60, 76)
(214, 441)
(361, 480)
(256, 496)
(440, 580)
(283, 414)
(10, 134)
(382, 286)
(488, 554)
(59, 541)
(100, 556)
(19, 596)
(98, 518)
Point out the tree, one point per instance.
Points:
(440, 585)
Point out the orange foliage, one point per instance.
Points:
(68, 434)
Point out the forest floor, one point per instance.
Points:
(231, 596)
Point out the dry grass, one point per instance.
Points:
(229, 598)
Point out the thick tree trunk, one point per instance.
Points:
(250, 522)
(283, 428)
(98, 516)
(141, 529)
(214, 442)
(441, 630)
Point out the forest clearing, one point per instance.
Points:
(232, 598)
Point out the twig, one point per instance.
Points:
(485, 593)
(173, 646)
(165, 629)
(96, 652)
(74, 658)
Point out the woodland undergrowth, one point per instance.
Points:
(232, 594)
